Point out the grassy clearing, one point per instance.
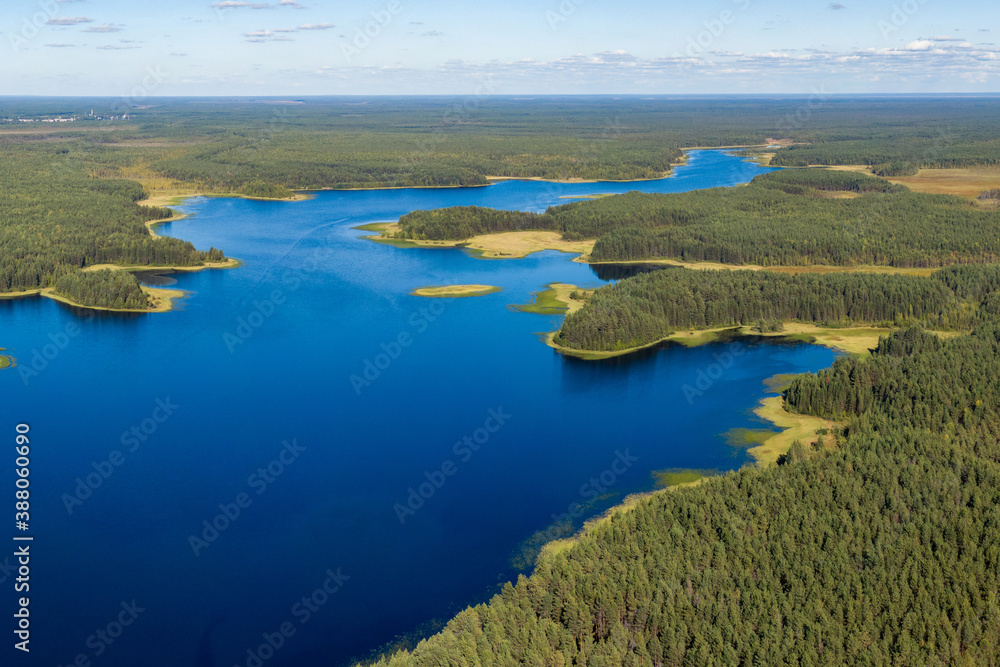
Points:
(455, 291)
(505, 245)
(680, 477)
(962, 182)
(795, 427)
(555, 300)
(777, 384)
(162, 298)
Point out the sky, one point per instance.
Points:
(126, 48)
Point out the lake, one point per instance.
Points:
(302, 461)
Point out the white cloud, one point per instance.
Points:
(68, 20)
(59, 45)
(106, 27)
(316, 26)
(239, 4)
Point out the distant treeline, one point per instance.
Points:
(884, 551)
(644, 309)
(782, 218)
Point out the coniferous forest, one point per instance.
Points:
(781, 218)
(884, 550)
(881, 550)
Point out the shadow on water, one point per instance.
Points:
(154, 278)
(641, 365)
(622, 271)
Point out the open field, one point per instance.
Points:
(967, 182)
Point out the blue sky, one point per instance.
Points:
(319, 47)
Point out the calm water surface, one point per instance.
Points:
(255, 393)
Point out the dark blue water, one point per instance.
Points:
(460, 396)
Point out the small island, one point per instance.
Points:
(454, 291)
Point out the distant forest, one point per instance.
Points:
(782, 218)
(70, 194)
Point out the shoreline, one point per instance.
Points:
(230, 263)
(168, 199)
(163, 299)
(849, 340)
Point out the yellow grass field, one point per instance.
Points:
(961, 182)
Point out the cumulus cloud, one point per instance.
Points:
(291, 3)
(116, 47)
(106, 27)
(59, 45)
(68, 20)
(316, 26)
(836, 6)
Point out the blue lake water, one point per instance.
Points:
(257, 385)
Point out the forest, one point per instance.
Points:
(649, 307)
(781, 218)
(884, 550)
(71, 196)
